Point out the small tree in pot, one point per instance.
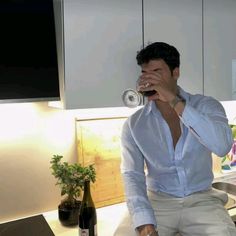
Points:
(70, 178)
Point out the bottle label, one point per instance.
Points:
(85, 232)
(95, 230)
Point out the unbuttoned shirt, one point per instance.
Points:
(150, 161)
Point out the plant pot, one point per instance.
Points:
(69, 213)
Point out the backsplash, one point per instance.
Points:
(30, 134)
(98, 143)
(228, 162)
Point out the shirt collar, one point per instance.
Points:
(184, 94)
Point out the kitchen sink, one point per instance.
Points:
(230, 189)
(227, 187)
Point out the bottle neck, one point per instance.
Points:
(87, 187)
(87, 194)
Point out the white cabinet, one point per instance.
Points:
(178, 23)
(219, 49)
(97, 43)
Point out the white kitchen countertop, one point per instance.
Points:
(226, 177)
(108, 218)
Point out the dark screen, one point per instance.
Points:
(28, 56)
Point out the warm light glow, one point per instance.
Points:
(28, 125)
(99, 144)
(16, 121)
(108, 112)
(100, 138)
(55, 104)
(59, 131)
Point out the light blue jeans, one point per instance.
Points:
(200, 214)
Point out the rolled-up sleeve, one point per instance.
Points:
(209, 125)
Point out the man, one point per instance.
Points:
(166, 154)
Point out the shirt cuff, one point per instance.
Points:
(143, 218)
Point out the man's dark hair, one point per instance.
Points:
(159, 50)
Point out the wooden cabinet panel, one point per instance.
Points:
(98, 143)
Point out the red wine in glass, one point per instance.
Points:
(145, 93)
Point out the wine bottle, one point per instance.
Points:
(87, 214)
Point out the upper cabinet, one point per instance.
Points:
(219, 30)
(97, 43)
(97, 46)
(178, 23)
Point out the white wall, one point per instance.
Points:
(30, 133)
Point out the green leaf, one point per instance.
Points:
(71, 177)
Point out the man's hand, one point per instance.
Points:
(145, 230)
(165, 88)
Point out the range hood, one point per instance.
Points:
(28, 62)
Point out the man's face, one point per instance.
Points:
(158, 70)
(159, 66)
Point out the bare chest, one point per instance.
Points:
(173, 122)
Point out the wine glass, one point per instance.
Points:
(144, 93)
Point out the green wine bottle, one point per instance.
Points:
(87, 214)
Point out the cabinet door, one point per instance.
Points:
(101, 40)
(178, 23)
(219, 48)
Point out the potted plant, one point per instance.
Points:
(70, 178)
